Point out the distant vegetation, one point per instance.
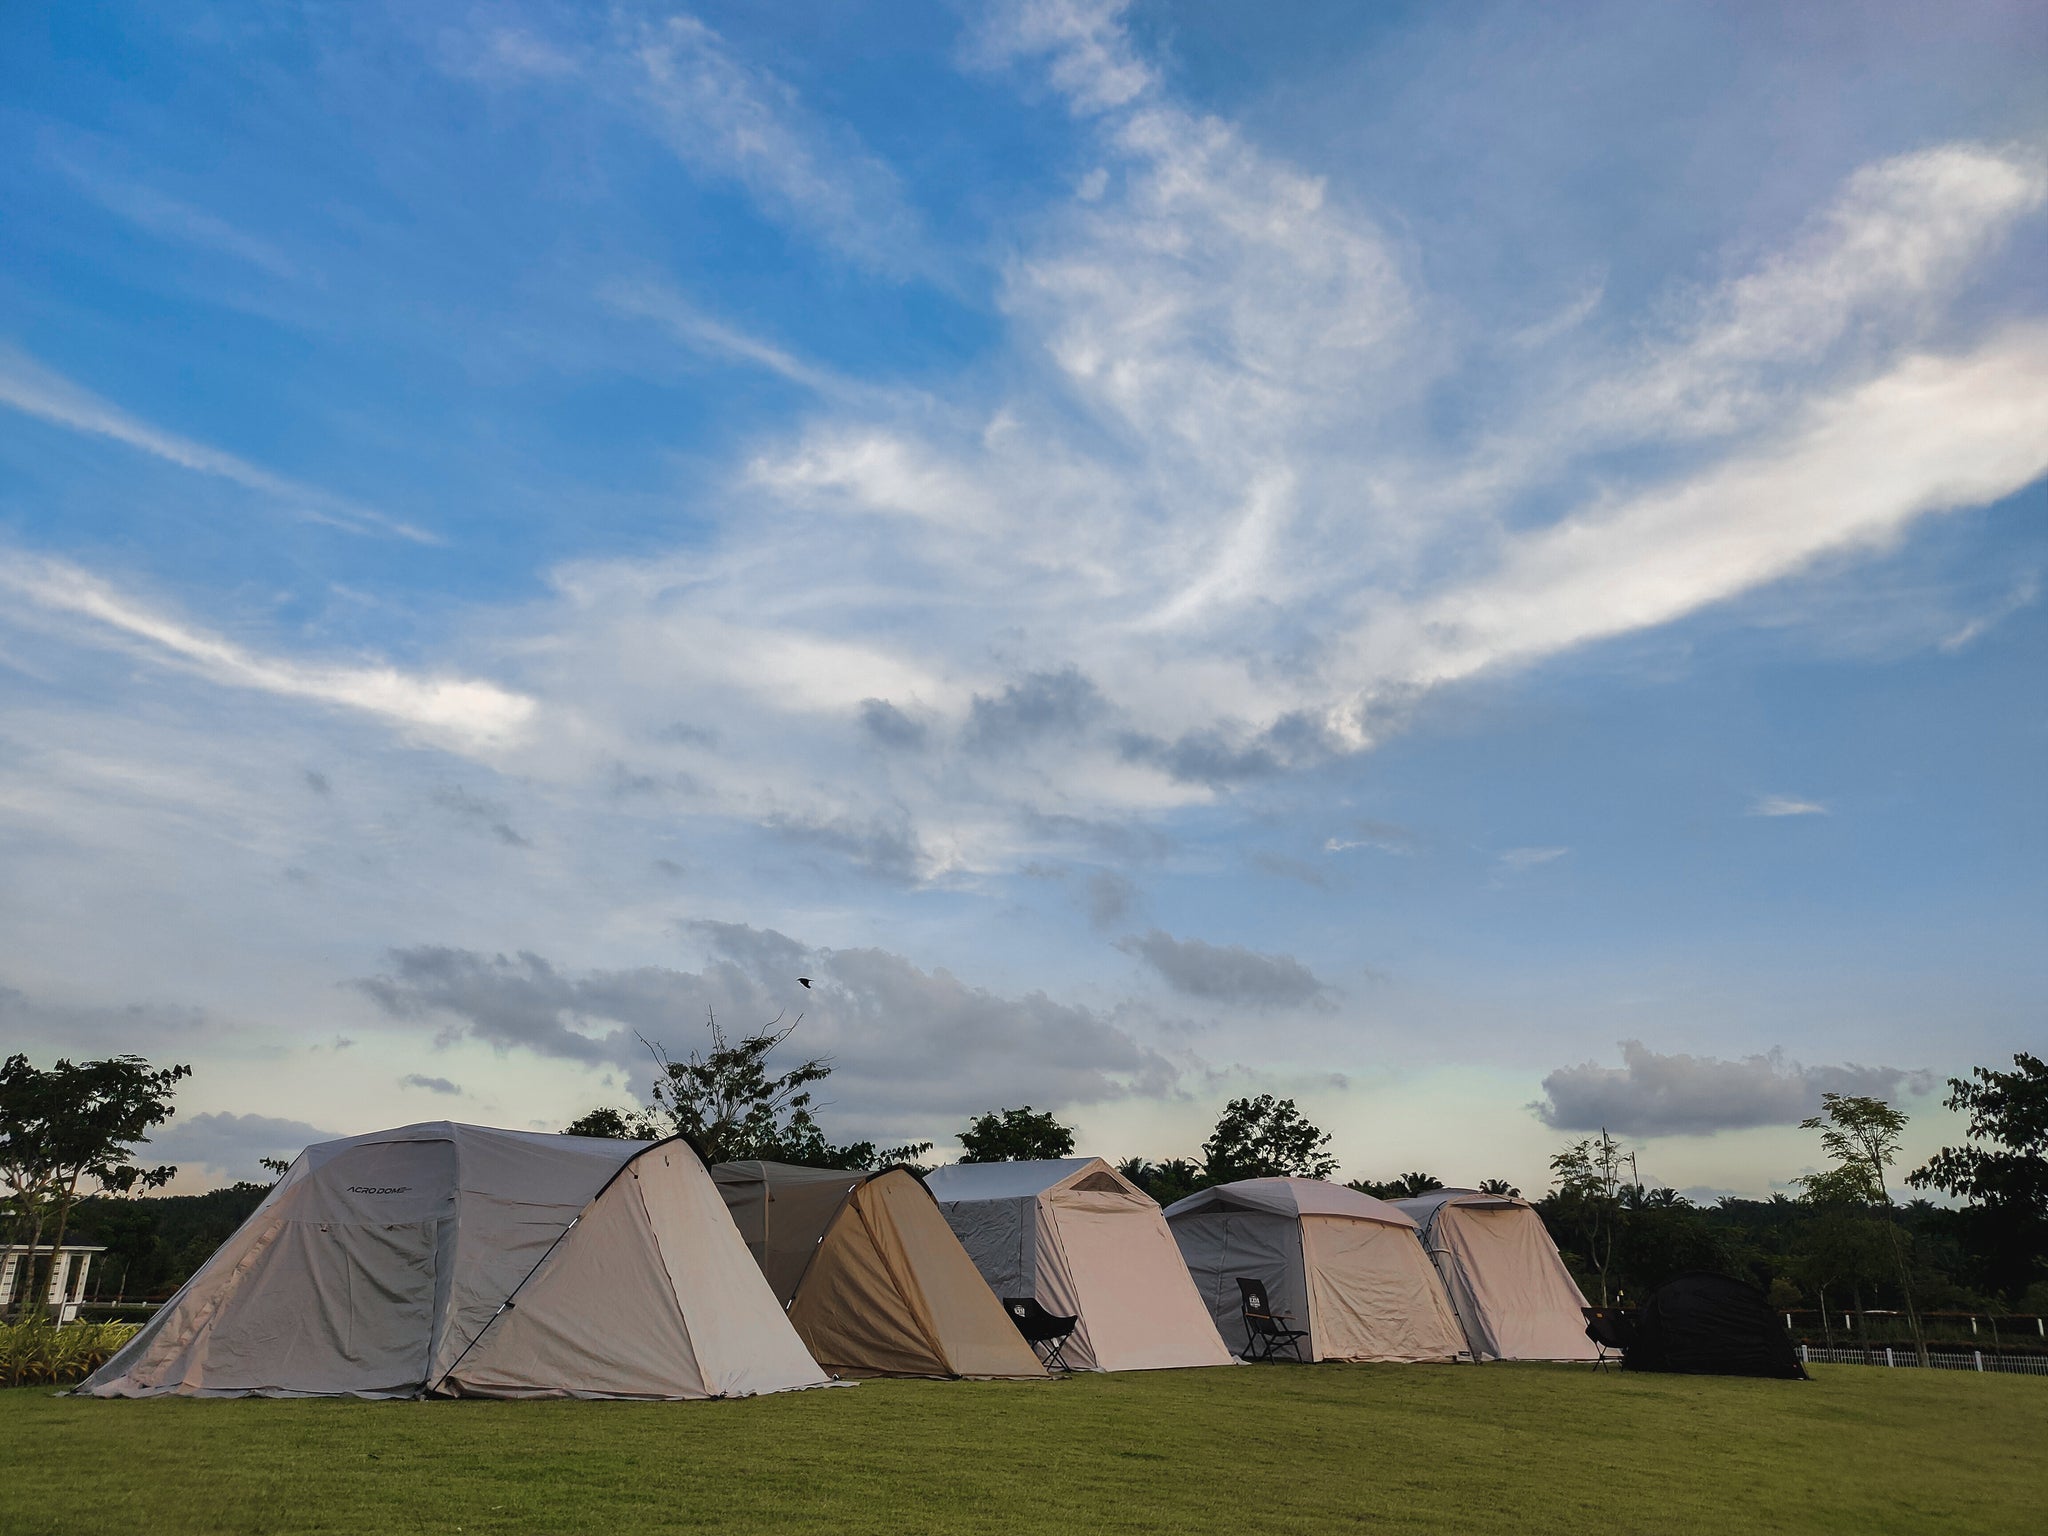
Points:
(1843, 1246)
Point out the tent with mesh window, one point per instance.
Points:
(1340, 1265)
(465, 1261)
(874, 1281)
(1083, 1241)
(1511, 1292)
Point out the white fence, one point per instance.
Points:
(1940, 1360)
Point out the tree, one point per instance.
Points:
(2008, 1178)
(611, 1124)
(77, 1121)
(732, 1107)
(1499, 1187)
(1862, 1135)
(1265, 1138)
(1587, 1198)
(1015, 1136)
(1174, 1179)
(1405, 1187)
(1838, 1245)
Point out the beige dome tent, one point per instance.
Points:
(875, 1282)
(1084, 1241)
(1343, 1266)
(458, 1259)
(1512, 1293)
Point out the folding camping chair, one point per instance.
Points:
(1044, 1332)
(1265, 1331)
(1610, 1328)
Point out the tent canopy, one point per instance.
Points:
(875, 1281)
(1342, 1265)
(1084, 1241)
(1510, 1290)
(382, 1266)
(1706, 1324)
(1292, 1197)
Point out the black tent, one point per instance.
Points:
(1710, 1325)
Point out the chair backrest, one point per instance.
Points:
(1034, 1322)
(1611, 1327)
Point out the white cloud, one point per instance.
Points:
(1933, 434)
(1198, 479)
(1515, 860)
(726, 117)
(1786, 805)
(464, 713)
(2020, 598)
(707, 334)
(167, 216)
(27, 386)
(1191, 491)
(1889, 250)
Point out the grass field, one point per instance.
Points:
(1523, 1449)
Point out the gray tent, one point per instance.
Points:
(1343, 1266)
(875, 1282)
(1084, 1241)
(462, 1260)
(1512, 1293)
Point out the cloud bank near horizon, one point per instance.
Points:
(1652, 1094)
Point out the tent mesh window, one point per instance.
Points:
(1107, 1183)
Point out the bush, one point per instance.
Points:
(36, 1353)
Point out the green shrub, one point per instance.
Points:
(34, 1353)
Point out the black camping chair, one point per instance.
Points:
(1045, 1333)
(1610, 1328)
(1265, 1331)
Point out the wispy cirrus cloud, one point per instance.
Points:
(728, 117)
(34, 390)
(1212, 341)
(1192, 535)
(1785, 805)
(168, 217)
(467, 714)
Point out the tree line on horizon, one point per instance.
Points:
(1844, 1245)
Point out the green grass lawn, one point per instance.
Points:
(1522, 1449)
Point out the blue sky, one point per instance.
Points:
(1477, 567)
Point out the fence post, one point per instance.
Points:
(1888, 1356)
(1980, 1358)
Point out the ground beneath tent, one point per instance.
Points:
(1521, 1449)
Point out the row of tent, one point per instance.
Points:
(463, 1261)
